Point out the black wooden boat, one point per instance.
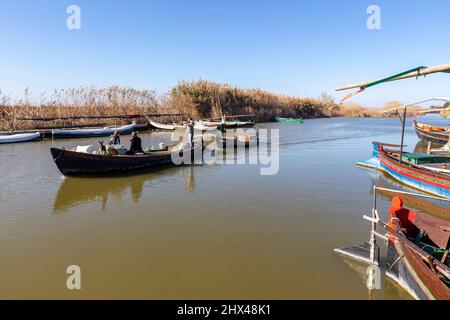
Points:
(72, 163)
(432, 134)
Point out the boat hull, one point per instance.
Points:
(22, 137)
(400, 272)
(416, 177)
(437, 137)
(72, 163)
(404, 264)
(288, 120)
(89, 133)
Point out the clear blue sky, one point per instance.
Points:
(298, 47)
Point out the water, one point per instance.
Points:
(202, 232)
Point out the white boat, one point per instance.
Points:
(167, 126)
(91, 132)
(227, 124)
(21, 137)
(201, 126)
(197, 126)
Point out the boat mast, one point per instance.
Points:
(403, 134)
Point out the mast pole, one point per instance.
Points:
(403, 134)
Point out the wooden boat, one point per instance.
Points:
(72, 163)
(228, 124)
(163, 126)
(235, 142)
(406, 265)
(420, 171)
(434, 134)
(288, 120)
(197, 126)
(21, 137)
(92, 132)
(417, 249)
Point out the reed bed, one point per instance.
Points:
(82, 101)
(195, 99)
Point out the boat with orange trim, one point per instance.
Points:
(433, 134)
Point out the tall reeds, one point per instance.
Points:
(195, 99)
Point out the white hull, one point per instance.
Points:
(22, 137)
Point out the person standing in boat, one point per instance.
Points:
(190, 131)
(114, 139)
(136, 144)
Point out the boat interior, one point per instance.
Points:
(428, 232)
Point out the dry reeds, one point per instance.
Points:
(195, 99)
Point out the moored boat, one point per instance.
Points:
(289, 120)
(163, 126)
(91, 132)
(228, 124)
(197, 126)
(420, 171)
(21, 137)
(416, 272)
(417, 249)
(238, 141)
(433, 134)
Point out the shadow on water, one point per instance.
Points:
(76, 191)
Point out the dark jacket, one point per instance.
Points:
(136, 145)
(114, 140)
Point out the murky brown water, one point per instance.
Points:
(201, 232)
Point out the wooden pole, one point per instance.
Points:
(403, 134)
(414, 74)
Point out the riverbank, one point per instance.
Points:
(195, 99)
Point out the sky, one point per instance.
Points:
(301, 47)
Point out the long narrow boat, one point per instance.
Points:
(228, 124)
(72, 163)
(163, 126)
(289, 120)
(417, 248)
(434, 134)
(197, 126)
(91, 132)
(419, 171)
(21, 137)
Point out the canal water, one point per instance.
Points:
(220, 231)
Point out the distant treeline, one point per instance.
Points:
(196, 99)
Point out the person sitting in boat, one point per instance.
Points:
(136, 144)
(114, 139)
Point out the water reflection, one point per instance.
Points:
(74, 191)
(422, 146)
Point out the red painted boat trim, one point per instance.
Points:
(413, 273)
(415, 178)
